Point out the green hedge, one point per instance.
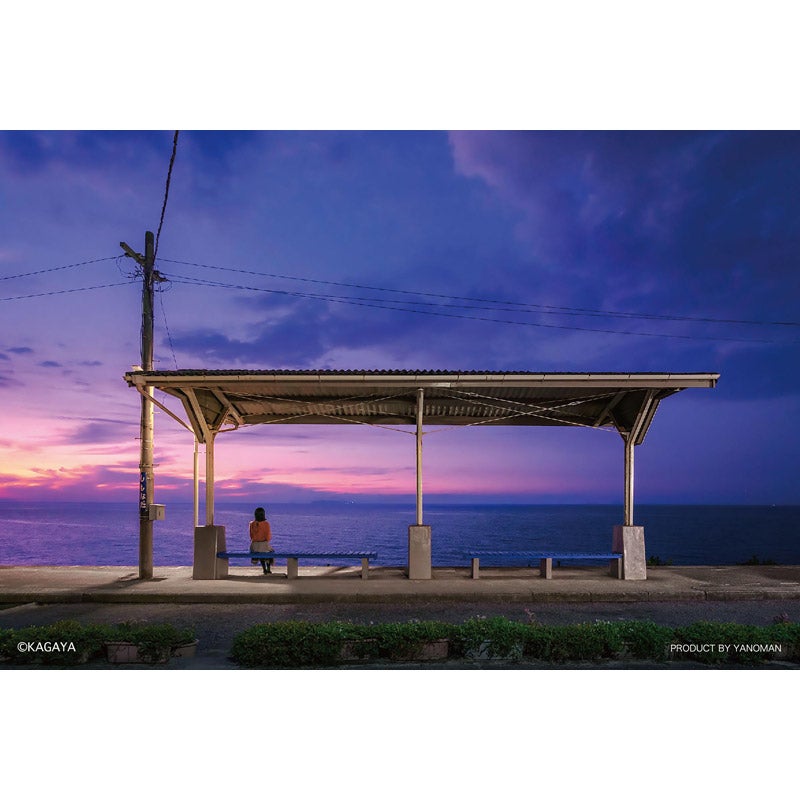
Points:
(69, 642)
(298, 644)
(306, 644)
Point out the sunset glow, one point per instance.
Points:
(411, 250)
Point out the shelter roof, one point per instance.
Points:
(218, 400)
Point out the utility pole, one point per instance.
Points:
(146, 482)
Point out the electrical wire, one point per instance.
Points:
(55, 269)
(377, 304)
(166, 192)
(67, 291)
(541, 308)
(166, 325)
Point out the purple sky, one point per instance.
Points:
(578, 226)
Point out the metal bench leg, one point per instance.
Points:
(364, 568)
(475, 568)
(546, 567)
(291, 568)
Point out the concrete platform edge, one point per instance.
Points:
(174, 585)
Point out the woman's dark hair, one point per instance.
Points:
(260, 514)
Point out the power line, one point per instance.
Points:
(376, 304)
(166, 190)
(67, 291)
(55, 269)
(542, 308)
(166, 325)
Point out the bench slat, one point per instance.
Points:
(292, 558)
(545, 559)
(276, 554)
(523, 554)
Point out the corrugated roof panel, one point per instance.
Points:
(450, 398)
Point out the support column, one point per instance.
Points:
(419, 535)
(196, 487)
(628, 538)
(210, 478)
(210, 538)
(420, 401)
(628, 479)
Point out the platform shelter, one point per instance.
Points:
(222, 401)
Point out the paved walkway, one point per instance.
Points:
(389, 585)
(218, 610)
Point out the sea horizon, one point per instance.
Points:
(107, 532)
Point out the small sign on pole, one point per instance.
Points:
(143, 494)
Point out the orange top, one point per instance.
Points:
(260, 531)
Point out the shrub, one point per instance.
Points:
(645, 640)
(495, 637)
(155, 642)
(305, 644)
(737, 638)
(787, 634)
(68, 642)
(403, 641)
(293, 644)
(588, 641)
(63, 643)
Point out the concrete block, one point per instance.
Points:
(419, 552)
(629, 540)
(291, 569)
(546, 568)
(208, 541)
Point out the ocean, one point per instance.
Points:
(108, 533)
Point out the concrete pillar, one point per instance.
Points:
(210, 480)
(629, 540)
(196, 491)
(420, 404)
(208, 541)
(629, 453)
(419, 552)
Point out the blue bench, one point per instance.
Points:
(293, 557)
(545, 559)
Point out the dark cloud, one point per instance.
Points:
(626, 206)
(20, 350)
(289, 343)
(308, 334)
(698, 224)
(101, 432)
(50, 364)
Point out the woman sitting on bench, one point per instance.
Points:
(260, 537)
